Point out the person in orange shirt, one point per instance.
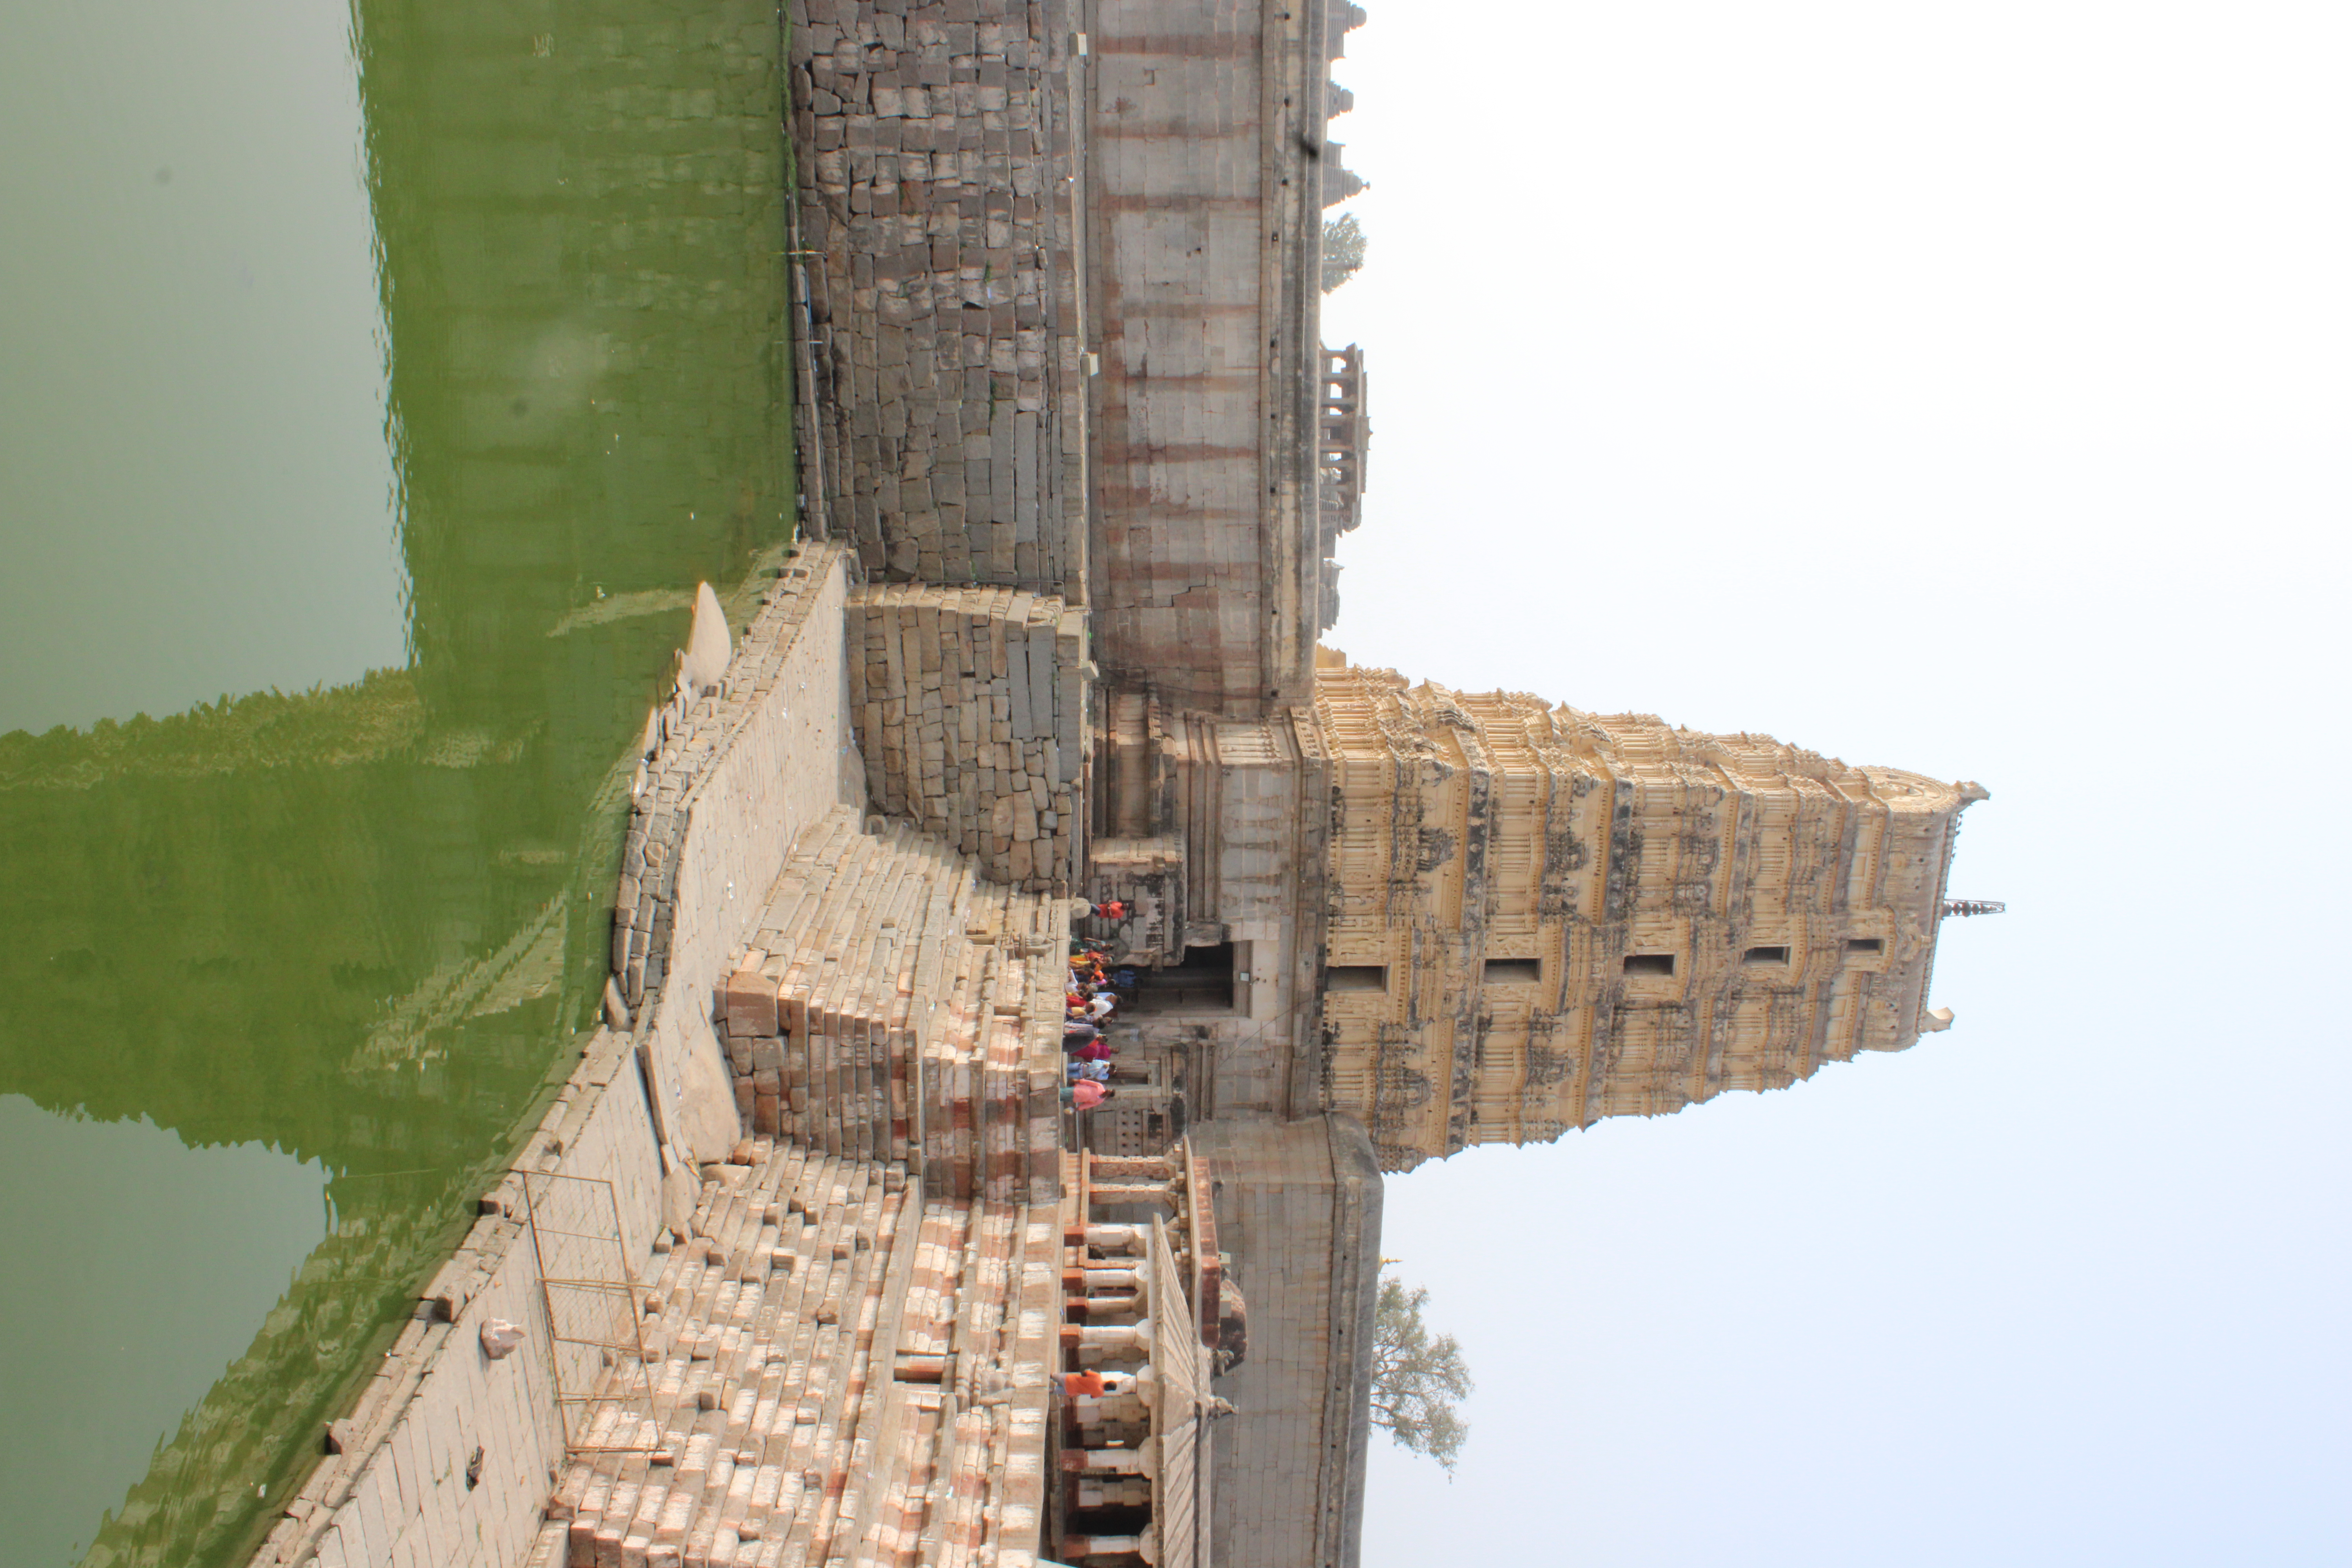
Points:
(1086, 1094)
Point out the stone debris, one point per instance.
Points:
(971, 710)
(833, 1369)
(501, 1338)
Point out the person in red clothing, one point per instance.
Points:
(1097, 1050)
(1082, 1384)
(1086, 1094)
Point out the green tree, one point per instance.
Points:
(1343, 250)
(1417, 1376)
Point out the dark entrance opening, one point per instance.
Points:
(1203, 983)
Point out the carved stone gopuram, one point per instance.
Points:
(1541, 917)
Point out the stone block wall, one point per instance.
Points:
(1179, 232)
(1298, 1206)
(732, 773)
(970, 710)
(935, 216)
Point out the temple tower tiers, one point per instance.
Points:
(1539, 917)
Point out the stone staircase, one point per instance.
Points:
(895, 1006)
(847, 1351)
(834, 1371)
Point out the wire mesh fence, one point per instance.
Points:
(603, 1384)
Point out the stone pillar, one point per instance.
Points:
(1142, 1461)
(1099, 1279)
(1131, 1168)
(1132, 1240)
(1135, 1336)
(1124, 1409)
(1114, 1494)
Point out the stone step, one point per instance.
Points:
(784, 1433)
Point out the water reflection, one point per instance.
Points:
(193, 479)
(154, 1261)
(361, 923)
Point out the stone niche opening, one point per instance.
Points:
(1203, 982)
(1660, 964)
(1514, 970)
(1776, 955)
(1356, 977)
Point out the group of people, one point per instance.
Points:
(1090, 1001)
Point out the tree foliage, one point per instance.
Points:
(1418, 1377)
(1343, 250)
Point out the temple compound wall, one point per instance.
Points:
(1298, 1210)
(1204, 199)
(1062, 266)
(1541, 917)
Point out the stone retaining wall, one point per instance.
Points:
(735, 769)
(395, 1490)
(742, 766)
(971, 710)
(943, 295)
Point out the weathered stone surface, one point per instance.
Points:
(708, 645)
(940, 222)
(931, 670)
(501, 1338)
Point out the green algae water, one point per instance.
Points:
(374, 387)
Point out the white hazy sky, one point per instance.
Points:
(1963, 389)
